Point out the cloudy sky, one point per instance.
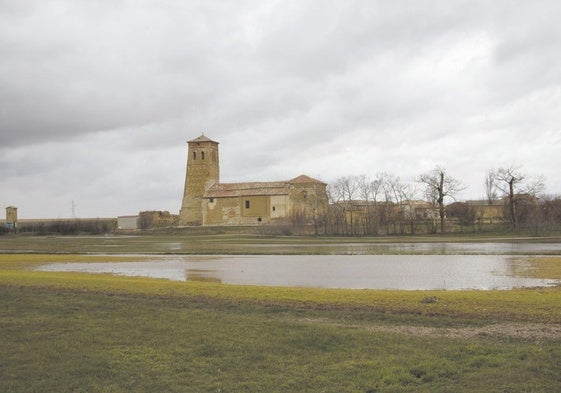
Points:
(98, 98)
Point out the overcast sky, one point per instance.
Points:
(98, 98)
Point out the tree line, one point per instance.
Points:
(68, 226)
(384, 204)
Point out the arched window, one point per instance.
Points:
(194, 155)
(202, 155)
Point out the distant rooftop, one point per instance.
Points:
(304, 179)
(202, 138)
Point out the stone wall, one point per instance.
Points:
(244, 210)
(203, 170)
(308, 202)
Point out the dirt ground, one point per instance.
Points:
(526, 331)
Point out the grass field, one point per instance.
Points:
(71, 332)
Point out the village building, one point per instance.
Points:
(11, 217)
(127, 223)
(488, 212)
(206, 201)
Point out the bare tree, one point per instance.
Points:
(401, 195)
(369, 191)
(348, 187)
(439, 186)
(514, 184)
(344, 193)
(391, 188)
(490, 187)
(552, 211)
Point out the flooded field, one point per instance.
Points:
(404, 272)
(323, 262)
(248, 245)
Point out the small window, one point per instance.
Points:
(194, 155)
(202, 155)
(274, 208)
(247, 204)
(211, 200)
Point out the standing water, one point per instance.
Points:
(403, 272)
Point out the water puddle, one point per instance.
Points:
(403, 272)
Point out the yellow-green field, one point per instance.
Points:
(76, 332)
(536, 305)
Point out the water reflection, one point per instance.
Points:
(413, 248)
(405, 272)
(201, 275)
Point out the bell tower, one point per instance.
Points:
(203, 170)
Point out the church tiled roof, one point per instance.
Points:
(224, 190)
(304, 179)
(247, 189)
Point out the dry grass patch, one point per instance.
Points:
(540, 267)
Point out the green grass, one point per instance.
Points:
(27, 261)
(72, 341)
(75, 332)
(542, 267)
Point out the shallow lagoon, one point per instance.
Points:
(403, 272)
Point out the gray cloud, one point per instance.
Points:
(97, 99)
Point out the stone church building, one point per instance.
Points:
(206, 201)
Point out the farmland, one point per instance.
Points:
(104, 333)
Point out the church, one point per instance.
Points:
(207, 202)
